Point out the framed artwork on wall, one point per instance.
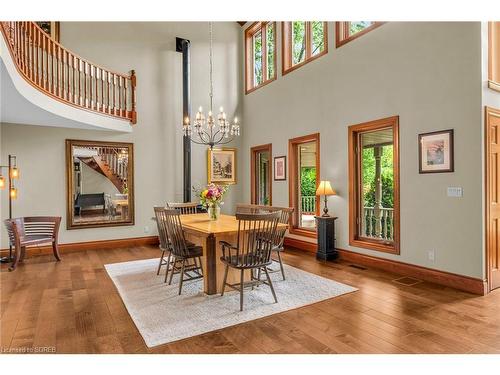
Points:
(50, 27)
(435, 152)
(222, 166)
(280, 168)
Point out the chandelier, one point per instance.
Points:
(205, 129)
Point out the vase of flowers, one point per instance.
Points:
(211, 198)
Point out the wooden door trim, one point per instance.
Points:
(354, 170)
(488, 113)
(292, 182)
(253, 151)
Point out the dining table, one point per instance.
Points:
(202, 231)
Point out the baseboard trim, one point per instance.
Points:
(90, 245)
(301, 244)
(460, 282)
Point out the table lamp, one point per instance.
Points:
(325, 189)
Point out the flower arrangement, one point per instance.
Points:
(211, 198)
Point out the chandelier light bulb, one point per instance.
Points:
(235, 120)
(200, 109)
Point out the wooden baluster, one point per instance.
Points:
(36, 46)
(53, 65)
(120, 113)
(114, 94)
(125, 106)
(84, 76)
(108, 83)
(392, 225)
(32, 41)
(101, 75)
(96, 90)
(68, 79)
(73, 63)
(21, 51)
(58, 66)
(30, 50)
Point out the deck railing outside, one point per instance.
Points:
(378, 226)
(308, 204)
(67, 77)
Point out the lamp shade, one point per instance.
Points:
(325, 188)
(2, 182)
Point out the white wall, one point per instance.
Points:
(427, 73)
(94, 182)
(149, 48)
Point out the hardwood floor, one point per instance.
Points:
(73, 306)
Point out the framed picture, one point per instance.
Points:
(51, 28)
(435, 152)
(222, 166)
(280, 168)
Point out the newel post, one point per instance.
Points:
(133, 82)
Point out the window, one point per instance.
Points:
(304, 178)
(302, 42)
(261, 174)
(494, 55)
(347, 31)
(260, 55)
(374, 185)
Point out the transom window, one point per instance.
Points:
(347, 31)
(303, 41)
(260, 55)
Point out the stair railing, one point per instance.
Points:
(65, 76)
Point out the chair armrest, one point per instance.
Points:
(227, 245)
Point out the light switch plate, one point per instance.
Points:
(455, 192)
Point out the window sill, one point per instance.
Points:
(248, 91)
(378, 245)
(303, 232)
(340, 42)
(290, 69)
(494, 85)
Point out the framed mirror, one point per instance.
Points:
(100, 184)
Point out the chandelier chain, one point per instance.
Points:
(211, 67)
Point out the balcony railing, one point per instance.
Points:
(67, 77)
(378, 223)
(308, 204)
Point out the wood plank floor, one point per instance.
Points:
(73, 306)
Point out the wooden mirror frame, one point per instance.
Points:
(70, 224)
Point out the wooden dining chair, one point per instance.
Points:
(184, 208)
(180, 250)
(252, 250)
(165, 247)
(31, 231)
(279, 238)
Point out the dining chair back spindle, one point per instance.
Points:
(252, 251)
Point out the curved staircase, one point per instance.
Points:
(60, 83)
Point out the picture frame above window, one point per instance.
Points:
(280, 168)
(221, 166)
(435, 152)
(260, 55)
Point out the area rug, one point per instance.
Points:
(162, 316)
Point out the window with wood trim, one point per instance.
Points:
(347, 31)
(303, 42)
(261, 174)
(494, 55)
(374, 185)
(303, 167)
(260, 55)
